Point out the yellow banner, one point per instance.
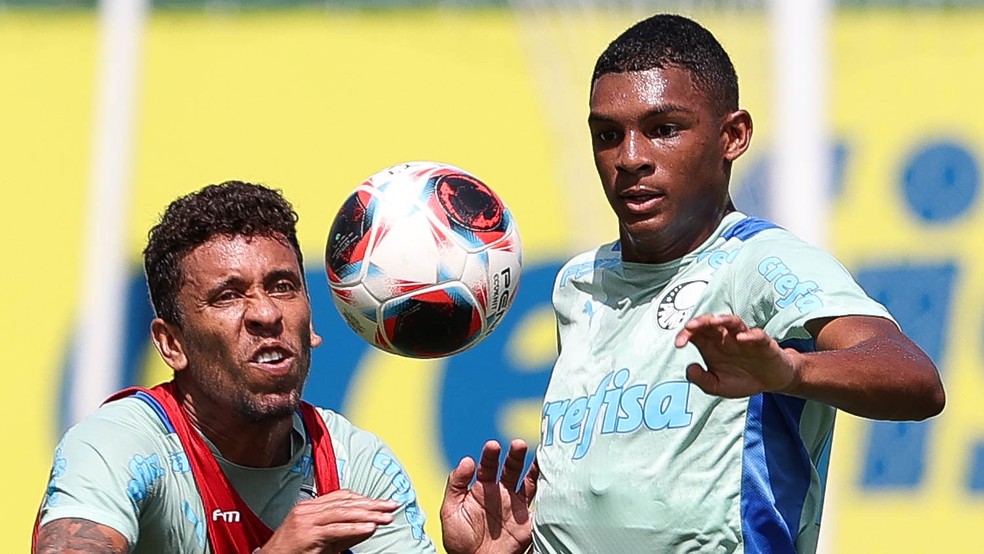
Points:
(312, 102)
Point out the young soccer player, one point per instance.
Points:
(703, 354)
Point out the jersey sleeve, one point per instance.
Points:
(367, 466)
(104, 471)
(781, 283)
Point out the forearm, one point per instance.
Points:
(878, 378)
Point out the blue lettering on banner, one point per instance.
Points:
(620, 409)
(791, 290)
(941, 182)
(481, 383)
(752, 191)
(919, 297)
(505, 379)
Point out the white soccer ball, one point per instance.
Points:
(423, 260)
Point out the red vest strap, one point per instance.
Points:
(232, 526)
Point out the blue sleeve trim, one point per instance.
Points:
(158, 409)
(748, 228)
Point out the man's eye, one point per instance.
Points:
(284, 286)
(665, 130)
(606, 136)
(226, 296)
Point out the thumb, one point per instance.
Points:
(706, 380)
(459, 479)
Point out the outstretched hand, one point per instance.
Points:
(492, 515)
(740, 361)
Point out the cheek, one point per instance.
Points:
(606, 171)
(212, 342)
(604, 161)
(297, 317)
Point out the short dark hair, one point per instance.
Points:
(666, 40)
(232, 208)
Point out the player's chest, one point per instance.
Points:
(645, 316)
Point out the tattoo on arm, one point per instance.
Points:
(74, 535)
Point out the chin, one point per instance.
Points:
(270, 407)
(643, 232)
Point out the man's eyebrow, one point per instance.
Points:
(283, 273)
(232, 281)
(659, 110)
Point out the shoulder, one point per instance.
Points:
(349, 440)
(341, 428)
(754, 233)
(762, 244)
(364, 461)
(126, 419)
(110, 467)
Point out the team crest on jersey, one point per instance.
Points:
(677, 304)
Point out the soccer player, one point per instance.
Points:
(226, 458)
(703, 354)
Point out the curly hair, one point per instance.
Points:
(666, 40)
(232, 208)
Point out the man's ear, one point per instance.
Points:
(737, 132)
(169, 343)
(316, 339)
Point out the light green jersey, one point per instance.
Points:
(121, 468)
(634, 458)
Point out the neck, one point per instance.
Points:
(239, 440)
(671, 243)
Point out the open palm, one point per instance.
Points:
(492, 515)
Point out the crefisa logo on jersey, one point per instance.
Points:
(677, 304)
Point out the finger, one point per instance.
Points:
(343, 498)
(732, 323)
(711, 324)
(348, 511)
(488, 466)
(344, 546)
(716, 331)
(682, 338)
(459, 478)
(755, 336)
(701, 324)
(685, 334)
(512, 468)
(705, 380)
(343, 536)
(529, 482)
(334, 515)
(350, 497)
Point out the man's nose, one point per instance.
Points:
(263, 315)
(634, 155)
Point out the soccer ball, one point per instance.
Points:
(423, 260)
